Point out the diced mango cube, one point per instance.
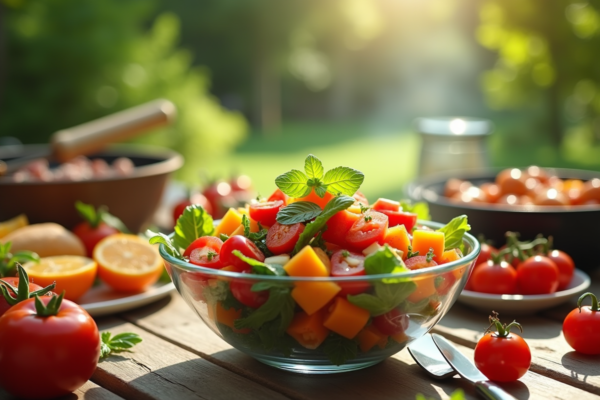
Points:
(229, 223)
(306, 263)
(398, 238)
(425, 240)
(308, 330)
(368, 337)
(345, 318)
(312, 296)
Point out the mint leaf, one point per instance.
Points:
(293, 183)
(419, 208)
(117, 343)
(343, 180)
(259, 267)
(279, 304)
(336, 204)
(157, 237)
(298, 211)
(454, 232)
(383, 261)
(313, 167)
(320, 190)
(387, 297)
(193, 223)
(339, 349)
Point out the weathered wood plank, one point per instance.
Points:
(89, 391)
(157, 369)
(397, 377)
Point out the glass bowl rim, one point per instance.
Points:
(437, 270)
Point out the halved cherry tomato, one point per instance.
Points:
(566, 267)
(266, 212)
(282, 238)
(537, 275)
(242, 291)
(278, 195)
(368, 229)
(361, 198)
(204, 251)
(494, 278)
(385, 204)
(391, 323)
(347, 263)
(245, 246)
(418, 262)
(338, 226)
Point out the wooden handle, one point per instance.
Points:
(93, 136)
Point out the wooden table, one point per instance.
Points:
(180, 358)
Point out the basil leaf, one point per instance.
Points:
(421, 209)
(298, 211)
(193, 223)
(343, 180)
(313, 167)
(259, 267)
(279, 304)
(117, 343)
(387, 297)
(157, 237)
(336, 204)
(383, 261)
(454, 232)
(293, 183)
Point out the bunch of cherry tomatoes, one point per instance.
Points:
(521, 268)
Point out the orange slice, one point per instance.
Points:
(127, 263)
(73, 274)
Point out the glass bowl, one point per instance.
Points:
(420, 299)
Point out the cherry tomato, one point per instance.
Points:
(91, 236)
(266, 212)
(347, 263)
(502, 356)
(65, 347)
(537, 275)
(245, 246)
(278, 195)
(418, 262)
(204, 251)
(494, 278)
(566, 267)
(360, 198)
(484, 255)
(512, 181)
(283, 238)
(582, 326)
(220, 198)
(242, 291)
(391, 323)
(400, 218)
(196, 198)
(338, 226)
(385, 205)
(368, 229)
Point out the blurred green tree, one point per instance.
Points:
(65, 62)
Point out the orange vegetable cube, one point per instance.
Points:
(228, 317)
(324, 258)
(312, 296)
(370, 336)
(308, 330)
(425, 240)
(400, 337)
(425, 288)
(398, 238)
(345, 318)
(238, 231)
(229, 223)
(306, 263)
(449, 256)
(253, 223)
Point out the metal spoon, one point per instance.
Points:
(428, 356)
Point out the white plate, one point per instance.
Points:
(519, 304)
(101, 300)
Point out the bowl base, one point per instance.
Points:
(316, 369)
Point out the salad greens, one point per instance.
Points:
(258, 238)
(193, 223)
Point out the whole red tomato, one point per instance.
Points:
(90, 236)
(537, 275)
(582, 326)
(44, 357)
(502, 356)
(494, 277)
(566, 267)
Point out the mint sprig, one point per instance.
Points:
(118, 343)
(298, 211)
(340, 180)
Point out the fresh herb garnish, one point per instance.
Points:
(157, 237)
(420, 208)
(8, 260)
(340, 180)
(95, 216)
(363, 208)
(280, 304)
(118, 343)
(193, 223)
(335, 205)
(383, 261)
(345, 253)
(258, 238)
(339, 349)
(368, 218)
(298, 211)
(411, 253)
(259, 267)
(387, 297)
(454, 232)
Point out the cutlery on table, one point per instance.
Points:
(467, 370)
(428, 356)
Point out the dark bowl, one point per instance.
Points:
(133, 198)
(575, 229)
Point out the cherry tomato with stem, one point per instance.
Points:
(282, 238)
(242, 291)
(245, 246)
(495, 276)
(582, 326)
(266, 212)
(347, 263)
(537, 275)
(368, 229)
(392, 322)
(502, 356)
(204, 251)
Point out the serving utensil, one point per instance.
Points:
(428, 356)
(467, 370)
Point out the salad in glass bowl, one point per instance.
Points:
(314, 279)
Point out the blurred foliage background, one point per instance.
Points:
(260, 83)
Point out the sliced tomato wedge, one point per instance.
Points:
(401, 218)
(278, 195)
(360, 198)
(338, 226)
(266, 212)
(368, 229)
(204, 251)
(282, 238)
(245, 246)
(386, 205)
(348, 263)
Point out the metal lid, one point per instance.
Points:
(454, 126)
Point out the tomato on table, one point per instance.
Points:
(368, 229)
(582, 326)
(282, 238)
(346, 263)
(61, 337)
(245, 246)
(204, 251)
(537, 275)
(266, 212)
(495, 277)
(338, 226)
(502, 356)
(391, 323)
(242, 291)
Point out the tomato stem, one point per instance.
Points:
(429, 255)
(51, 308)
(22, 290)
(594, 306)
(502, 330)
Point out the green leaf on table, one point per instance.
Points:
(279, 304)
(193, 223)
(339, 349)
(118, 343)
(293, 183)
(313, 167)
(454, 232)
(298, 211)
(161, 238)
(420, 208)
(343, 180)
(336, 204)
